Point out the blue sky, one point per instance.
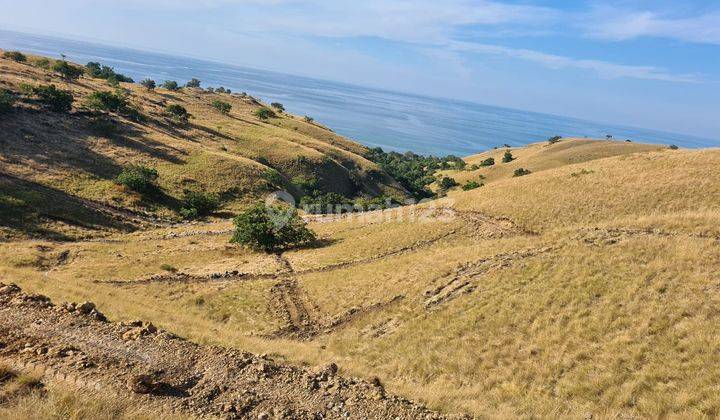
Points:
(653, 64)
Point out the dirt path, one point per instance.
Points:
(155, 368)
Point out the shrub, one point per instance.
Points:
(554, 139)
(488, 162)
(67, 70)
(7, 100)
(138, 178)
(271, 228)
(305, 183)
(199, 204)
(171, 85)
(148, 84)
(106, 101)
(220, 90)
(673, 147)
(473, 167)
(193, 83)
(414, 172)
(278, 106)
(56, 99)
(330, 203)
(15, 56)
(177, 112)
(521, 172)
(446, 183)
(309, 119)
(471, 185)
(273, 176)
(265, 113)
(222, 106)
(508, 157)
(99, 71)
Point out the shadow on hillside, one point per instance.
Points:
(123, 134)
(24, 204)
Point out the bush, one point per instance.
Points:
(471, 185)
(222, 106)
(271, 228)
(488, 162)
(15, 56)
(330, 203)
(106, 101)
(265, 113)
(99, 71)
(67, 70)
(508, 157)
(177, 112)
(278, 106)
(673, 147)
(554, 139)
(171, 85)
(414, 172)
(521, 172)
(446, 183)
(7, 100)
(54, 98)
(309, 119)
(193, 83)
(138, 178)
(199, 204)
(148, 84)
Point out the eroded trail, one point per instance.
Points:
(74, 343)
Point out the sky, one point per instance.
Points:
(653, 64)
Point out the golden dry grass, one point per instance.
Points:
(603, 298)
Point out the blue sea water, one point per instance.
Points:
(391, 120)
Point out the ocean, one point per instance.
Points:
(391, 120)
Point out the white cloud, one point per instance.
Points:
(619, 25)
(602, 68)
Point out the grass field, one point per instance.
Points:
(589, 287)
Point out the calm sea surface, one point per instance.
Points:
(394, 121)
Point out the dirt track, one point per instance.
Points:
(74, 344)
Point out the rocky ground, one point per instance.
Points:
(75, 344)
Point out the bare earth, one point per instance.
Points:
(74, 344)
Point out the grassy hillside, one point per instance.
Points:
(58, 170)
(588, 287)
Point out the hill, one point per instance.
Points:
(58, 170)
(588, 287)
(546, 294)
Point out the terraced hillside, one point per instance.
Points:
(589, 287)
(58, 167)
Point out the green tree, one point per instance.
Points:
(67, 70)
(138, 178)
(7, 100)
(148, 84)
(56, 99)
(177, 113)
(521, 172)
(508, 157)
(106, 101)
(446, 183)
(471, 185)
(171, 85)
(265, 113)
(278, 106)
(193, 83)
(222, 106)
(199, 204)
(15, 56)
(271, 228)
